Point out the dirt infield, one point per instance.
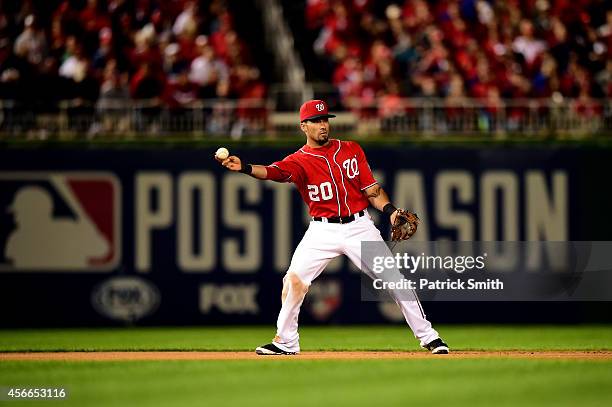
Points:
(325, 355)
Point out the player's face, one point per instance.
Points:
(316, 130)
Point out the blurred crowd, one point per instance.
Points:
(375, 52)
(457, 49)
(170, 52)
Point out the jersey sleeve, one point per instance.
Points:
(366, 179)
(287, 170)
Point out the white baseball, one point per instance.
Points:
(222, 153)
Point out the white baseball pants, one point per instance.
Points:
(321, 243)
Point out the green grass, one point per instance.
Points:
(397, 337)
(269, 382)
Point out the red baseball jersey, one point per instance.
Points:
(331, 179)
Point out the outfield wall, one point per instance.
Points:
(160, 236)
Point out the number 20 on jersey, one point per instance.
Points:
(318, 192)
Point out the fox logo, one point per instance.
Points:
(59, 221)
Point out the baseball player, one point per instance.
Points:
(335, 181)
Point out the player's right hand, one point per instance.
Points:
(232, 163)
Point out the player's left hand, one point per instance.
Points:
(404, 224)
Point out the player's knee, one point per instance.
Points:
(296, 284)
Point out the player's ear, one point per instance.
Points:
(303, 127)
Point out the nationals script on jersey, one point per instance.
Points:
(330, 179)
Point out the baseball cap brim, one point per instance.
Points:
(319, 116)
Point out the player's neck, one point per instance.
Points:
(313, 144)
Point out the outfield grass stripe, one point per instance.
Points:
(429, 381)
(312, 338)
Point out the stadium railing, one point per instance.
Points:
(242, 118)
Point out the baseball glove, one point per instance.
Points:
(405, 225)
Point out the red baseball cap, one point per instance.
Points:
(314, 109)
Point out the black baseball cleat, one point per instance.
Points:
(437, 347)
(272, 349)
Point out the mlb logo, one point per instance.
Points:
(59, 221)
